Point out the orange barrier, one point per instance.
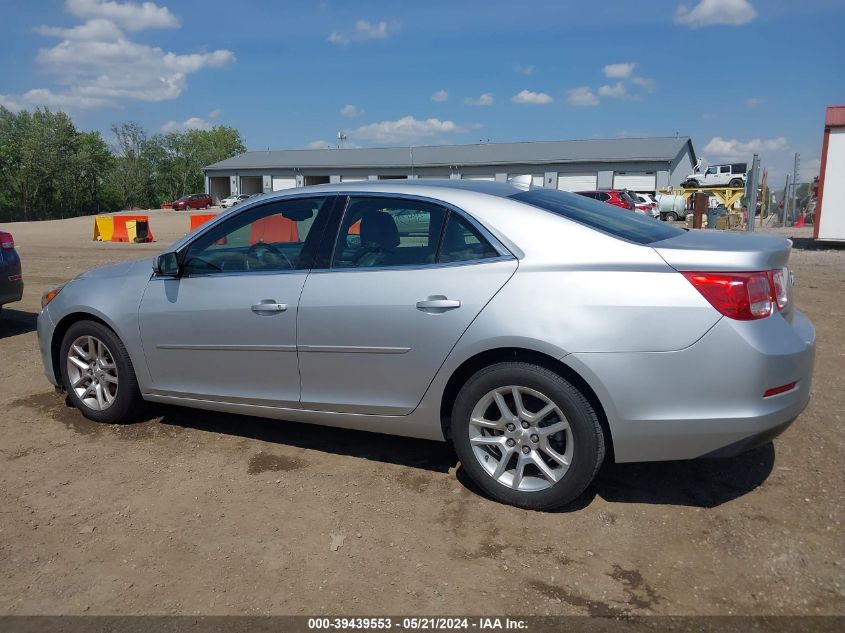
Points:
(198, 219)
(121, 233)
(273, 229)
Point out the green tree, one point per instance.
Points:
(178, 158)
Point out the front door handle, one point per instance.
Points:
(437, 304)
(269, 306)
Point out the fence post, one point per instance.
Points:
(751, 191)
(699, 209)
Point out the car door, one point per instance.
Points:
(225, 328)
(405, 279)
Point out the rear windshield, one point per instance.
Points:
(626, 225)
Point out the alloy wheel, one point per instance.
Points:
(92, 372)
(521, 438)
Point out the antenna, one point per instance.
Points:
(341, 139)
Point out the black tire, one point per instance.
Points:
(736, 183)
(691, 184)
(671, 216)
(588, 437)
(128, 403)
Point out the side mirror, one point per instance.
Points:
(166, 265)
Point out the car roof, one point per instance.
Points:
(493, 188)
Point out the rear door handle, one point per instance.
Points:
(269, 306)
(437, 304)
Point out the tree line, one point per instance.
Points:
(49, 169)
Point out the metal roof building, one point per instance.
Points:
(640, 164)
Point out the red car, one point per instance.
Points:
(192, 201)
(617, 197)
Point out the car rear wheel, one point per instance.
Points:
(691, 184)
(672, 216)
(97, 373)
(526, 436)
(736, 183)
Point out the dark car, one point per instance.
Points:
(621, 198)
(193, 201)
(11, 279)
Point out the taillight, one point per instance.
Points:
(6, 240)
(780, 286)
(744, 296)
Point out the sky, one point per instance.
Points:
(737, 76)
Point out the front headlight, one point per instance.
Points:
(48, 296)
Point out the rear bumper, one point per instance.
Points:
(706, 400)
(11, 291)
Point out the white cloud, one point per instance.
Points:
(215, 113)
(318, 145)
(753, 102)
(440, 96)
(45, 97)
(644, 82)
(193, 123)
(710, 12)
(536, 98)
(619, 71)
(98, 29)
(734, 149)
(365, 31)
(524, 69)
(95, 64)
(132, 16)
(350, 111)
(404, 130)
(485, 99)
(616, 91)
(581, 96)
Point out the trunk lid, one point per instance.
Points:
(722, 251)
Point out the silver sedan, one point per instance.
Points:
(531, 328)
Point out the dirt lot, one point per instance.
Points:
(193, 512)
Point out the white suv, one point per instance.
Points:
(730, 175)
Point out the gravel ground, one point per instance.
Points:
(193, 512)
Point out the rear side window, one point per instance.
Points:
(379, 232)
(603, 217)
(462, 243)
(386, 232)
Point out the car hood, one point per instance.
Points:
(122, 269)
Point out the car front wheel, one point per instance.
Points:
(97, 373)
(526, 436)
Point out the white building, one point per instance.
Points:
(639, 164)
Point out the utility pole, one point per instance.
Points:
(795, 184)
(784, 201)
(751, 191)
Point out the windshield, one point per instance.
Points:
(599, 215)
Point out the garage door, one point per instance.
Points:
(576, 182)
(283, 183)
(353, 178)
(634, 180)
